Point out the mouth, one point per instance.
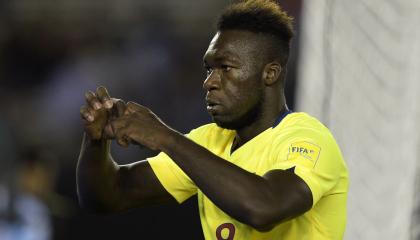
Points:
(212, 106)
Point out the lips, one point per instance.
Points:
(212, 105)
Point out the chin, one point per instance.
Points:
(234, 124)
(227, 125)
(236, 120)
(224, 123)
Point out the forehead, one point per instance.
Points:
(233, 44)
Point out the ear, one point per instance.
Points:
(272, 73)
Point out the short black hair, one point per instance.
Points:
(262, 17)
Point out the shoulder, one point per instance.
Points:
(303, 120)
(208, 131)
(301, 132)
(303, 125)
(205, 129)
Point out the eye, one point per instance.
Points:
(209, 70)
(226, 68)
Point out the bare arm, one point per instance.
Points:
(103, 185)
(261, 202)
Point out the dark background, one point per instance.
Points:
(51, 53)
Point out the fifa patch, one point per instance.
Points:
(306, 150)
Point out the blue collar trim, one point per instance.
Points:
(287, 112)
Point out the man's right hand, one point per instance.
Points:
(102, 184)
(100, 108)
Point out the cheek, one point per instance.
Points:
(242, 94)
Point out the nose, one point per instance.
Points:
(212, 81)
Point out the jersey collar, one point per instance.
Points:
(281, 117)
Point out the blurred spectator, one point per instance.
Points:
(34, 201)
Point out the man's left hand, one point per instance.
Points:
(141, 126)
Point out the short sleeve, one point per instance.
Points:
(316, 159)
(173, 179)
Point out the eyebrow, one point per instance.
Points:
(224, 56)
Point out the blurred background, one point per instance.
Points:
(354, 65)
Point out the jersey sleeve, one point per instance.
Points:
(173, 179)
(314, 157)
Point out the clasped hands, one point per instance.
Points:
(127, 123)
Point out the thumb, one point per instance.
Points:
(133, 107)
(109, 132)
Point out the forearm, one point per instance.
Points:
(96, 176)
(237, 192)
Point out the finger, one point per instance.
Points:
(120, 107)
(133, 107)
(86, 114)
(121, 138)
(92, 100)
(109, 132)
(118, 124)
(123, 142)
(104, 97)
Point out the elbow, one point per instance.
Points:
(94, 208)
(88, 208)
(260, 222)
(262, 227)
(262, 219)
(92, 205)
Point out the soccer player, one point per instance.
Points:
(260, 170)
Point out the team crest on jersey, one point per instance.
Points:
(306, 150)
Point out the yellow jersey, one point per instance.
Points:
(299, 142)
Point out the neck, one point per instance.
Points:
(269, 114)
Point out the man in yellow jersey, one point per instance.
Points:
(260, 171)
